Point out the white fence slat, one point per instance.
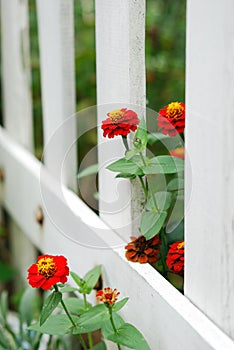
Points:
(210, 119)
(56, 41)
(166, 318)
(16, 85)
(120, 62)
(16, 71)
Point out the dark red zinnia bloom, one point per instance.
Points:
(171, 119)
(49, 270)
(108, 295)
(143, 251)
(175, 258)
(120, 122)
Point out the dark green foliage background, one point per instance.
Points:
(165, 56)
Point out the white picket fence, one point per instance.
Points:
(168, 319)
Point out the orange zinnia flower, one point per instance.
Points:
(49, 270)
(108, 296)
(143, 251)
(120, 122)
(175, 258)
(171, 119)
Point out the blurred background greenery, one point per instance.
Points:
(165, 56)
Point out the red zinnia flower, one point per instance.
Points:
(178, 152)
(120, 122)
(175, 257)
(49, 270)
(171, 119)
(142, 250)
(108, 296)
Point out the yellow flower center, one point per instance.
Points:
(46, 267)
(175, 110)
(180, 245)
(115, 115)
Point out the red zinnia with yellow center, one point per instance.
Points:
(171, 119)
(49, 270)
(175, 258)
(120, 122)
(107, 295)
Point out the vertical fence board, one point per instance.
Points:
(56, 40)
(16, 71)
(209, 279)
(16, 85)
(120, 59)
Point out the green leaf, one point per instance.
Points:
(26, 306)
(155, 137)
(151, 223)
(177, 235)
(175, 184)
(107, 328)
(117, 306)
(129, 336)
(125, 176)
(163, 201)
(140, 139)
(4, 305)
(90, 170)
(177, 213)
(125, 166)
(68, 289)
(93, 319)
(50, 305)
(164, 165)
(91, 278)
(55, 325)
(129, 154)
(176, 280)
(4, 340)
(77, 279)
(76, 305)
(100, 346)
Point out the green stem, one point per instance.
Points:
(8, 328)
(38, 342)
(148, 181)
(163, 252)
(142, 158)
(49, 342)
(144, 187)
(72, 321)
(125, 142)
(90, 338)
(113, 324)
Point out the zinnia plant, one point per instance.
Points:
(75, 315)
(161, 178)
